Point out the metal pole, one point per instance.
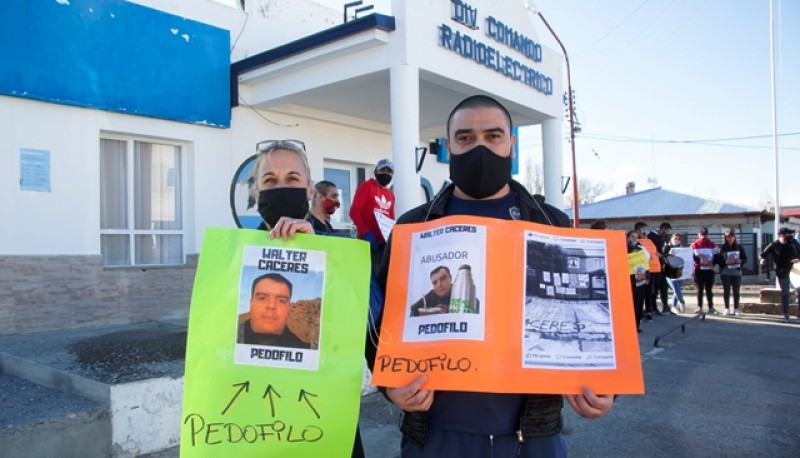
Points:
(575, 203)
(774, 116)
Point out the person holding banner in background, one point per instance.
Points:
(639, 266)
(284, 187)
(371, 197)
(704, 251)
(676, 284)
(733, 256)
(467, 424)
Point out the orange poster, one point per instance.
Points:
(655, 263)
(480, 304)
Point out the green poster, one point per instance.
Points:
(275, 349)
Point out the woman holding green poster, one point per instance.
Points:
(283, 189)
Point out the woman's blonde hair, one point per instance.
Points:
(263, 155)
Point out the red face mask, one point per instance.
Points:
(330, 205)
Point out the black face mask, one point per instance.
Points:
(276, 202)
(383, 179)
(479, 172)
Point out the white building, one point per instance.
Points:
(126, 124)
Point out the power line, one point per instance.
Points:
(702, 141)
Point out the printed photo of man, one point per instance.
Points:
(437, 300)
(265, 324)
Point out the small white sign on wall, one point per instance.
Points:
(34, 170)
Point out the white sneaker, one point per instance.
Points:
(737, 312)
(674, 310)
(726, 312)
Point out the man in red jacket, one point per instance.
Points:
(374, 196)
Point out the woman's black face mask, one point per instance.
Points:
(276, 202)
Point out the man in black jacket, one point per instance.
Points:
(464, 424)
(660, 239)
(784, 255)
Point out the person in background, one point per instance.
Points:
(599, 224)
(640, 274)
(784, 255)
(476, 424)
(650, 307)
(676, 284)
(284, 187)
(733, 256)
(326, 201)
(660, 239)
(373, 196)
(704, 251)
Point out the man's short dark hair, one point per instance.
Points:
(665, 225)
(274, 277)
(479, 101)
(441, 268)
(599, 224)
(639, 225)
(324, 186)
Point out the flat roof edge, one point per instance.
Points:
(372, 22)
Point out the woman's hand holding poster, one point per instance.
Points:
(497, 306)
(275, 357)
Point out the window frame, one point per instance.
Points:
(355, 171)
(131, 232)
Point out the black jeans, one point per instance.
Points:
(731, 282)
(704, 279)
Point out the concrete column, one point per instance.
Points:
(404, 93)
(552, 162)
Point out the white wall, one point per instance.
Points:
(66, 220)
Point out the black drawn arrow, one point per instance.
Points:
(269, 392)
(242, 387)
(304, 397)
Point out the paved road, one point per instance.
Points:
(726, 387)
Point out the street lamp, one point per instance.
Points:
(532, 8)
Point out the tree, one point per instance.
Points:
(533, 178)
(588, 191)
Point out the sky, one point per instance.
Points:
(677, 94)
(670, 94)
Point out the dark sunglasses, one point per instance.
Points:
(268, 145)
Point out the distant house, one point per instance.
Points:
(685, 213)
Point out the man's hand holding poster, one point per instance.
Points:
(273, 364)
(529, 309)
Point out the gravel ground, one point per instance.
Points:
(23, 403)
(109, 355)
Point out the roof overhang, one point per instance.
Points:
(287, 79)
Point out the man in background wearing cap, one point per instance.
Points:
(374, 196)
(784, 254)
(704, 251)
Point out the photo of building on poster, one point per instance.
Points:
(567, 317)
(446, 284)
(280, 307)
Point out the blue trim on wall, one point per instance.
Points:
(117, 56)
(356, 26)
